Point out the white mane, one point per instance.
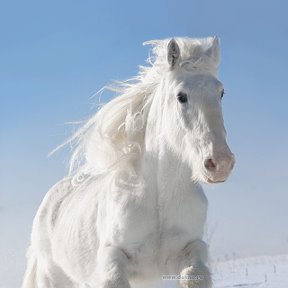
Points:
(114, 135)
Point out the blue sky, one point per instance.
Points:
(55, 55)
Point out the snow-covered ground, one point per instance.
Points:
(268, 272)
(264, 272)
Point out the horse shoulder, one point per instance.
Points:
(48, 210)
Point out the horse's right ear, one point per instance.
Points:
(173, 54)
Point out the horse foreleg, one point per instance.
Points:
(111, 268)
(191, 264)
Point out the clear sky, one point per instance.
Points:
(55, 55)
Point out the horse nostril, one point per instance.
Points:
(209, 164)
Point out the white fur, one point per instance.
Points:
(131, 208)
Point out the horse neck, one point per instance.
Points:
(164, 171)
(166, 174)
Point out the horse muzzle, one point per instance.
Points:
(218, 167)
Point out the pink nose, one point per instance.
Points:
(219, 168)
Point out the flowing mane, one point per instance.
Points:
(114, 135)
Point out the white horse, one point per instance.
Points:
(132, 207)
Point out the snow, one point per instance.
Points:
(268, 272)
(264, 272)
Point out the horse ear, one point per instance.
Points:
(214, 50)
(173, 53)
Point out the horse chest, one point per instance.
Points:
(182, 217)
(155, 227)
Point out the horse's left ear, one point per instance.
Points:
(173, 54)
(214, 50)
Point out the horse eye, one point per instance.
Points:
(182, 97)
(222, 93)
